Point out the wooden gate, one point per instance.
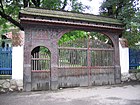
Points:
(40, 65)
(5, 61)
(86, 62)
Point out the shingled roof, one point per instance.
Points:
(69, 15)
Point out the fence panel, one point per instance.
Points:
(134, 58)
(5, 61)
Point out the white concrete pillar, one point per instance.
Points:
(17, 62)
(124, 58)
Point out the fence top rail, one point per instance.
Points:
(89, 67)
(5, 69)
(5, 49)
(73, 48)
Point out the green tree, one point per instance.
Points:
(9, 9)
(127, 12)
(73, 35)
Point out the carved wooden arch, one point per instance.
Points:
(108, 35)
(64, 32)
(35, 46)
(112, 36)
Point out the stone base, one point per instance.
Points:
(54, 85)
(8, 85)
(117, 74)
(126, 77)
(27, 87)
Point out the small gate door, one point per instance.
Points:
(40, 65)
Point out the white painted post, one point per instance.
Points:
(124, 58)
(17, 62)
(17, 59)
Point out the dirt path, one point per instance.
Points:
(104, 95)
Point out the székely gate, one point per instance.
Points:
(81, 62)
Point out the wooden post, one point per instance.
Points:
(27, 69)
(114, 36)
(117, 60)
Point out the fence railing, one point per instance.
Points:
(134, 58)
(5, 61)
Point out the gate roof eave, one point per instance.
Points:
(68, 18)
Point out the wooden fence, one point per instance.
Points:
(85, 62)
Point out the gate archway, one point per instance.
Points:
(45, 27)
(40, 68)
(86, 61)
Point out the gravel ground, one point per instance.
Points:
(103, 95)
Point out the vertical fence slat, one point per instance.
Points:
(40, 61)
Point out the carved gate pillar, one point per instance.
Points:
(54, 67)
(27, 62)
(54, 34)
(114, 36)
(117, 59)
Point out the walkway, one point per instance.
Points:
(105, 95)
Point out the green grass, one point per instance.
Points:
(5, 76)
(134, 71)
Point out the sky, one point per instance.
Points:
(94, 4)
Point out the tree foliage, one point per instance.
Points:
(73, 35)
(126, 11)
(9, 10)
